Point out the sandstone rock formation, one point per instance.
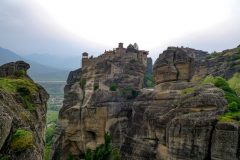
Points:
(177, 64)
(176, 120)
(11, 68)
(22, 114)
(126, 72)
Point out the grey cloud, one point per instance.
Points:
(26, 29)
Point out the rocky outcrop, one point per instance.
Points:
(74, 76)
(193, 65)
(22, 114)
(177, 64)
(11, 69)
(224, 64)
(175, 120)
(225, 141)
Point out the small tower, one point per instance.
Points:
(120, 45)
(120, 50)
(84, 59)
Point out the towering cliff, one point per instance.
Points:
(122, 73)
(177, 119)
(22, 114)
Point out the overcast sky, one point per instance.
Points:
(70, 27)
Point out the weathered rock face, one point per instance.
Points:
(78, 97)
(176, 120)
(224, 64)
(193, 65)
(124, 72)
(22, 114)
(225, 141)
(177, 64)
(10, 69)
(159, 124)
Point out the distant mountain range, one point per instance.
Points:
(64, 63)
(38, 72)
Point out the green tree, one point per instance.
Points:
(148, 81)
(234, 83)
(103, 151)
(113, 87)
(233, 106)
(230, 95)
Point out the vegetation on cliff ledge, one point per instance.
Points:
(149, 81)
(234, 83)
(20, 73)
(103, 151)
(129, 92)
(231, 96)
(187, 91)
(213, 55)
(113, 87)
(21, 85)
(11, 85)
(21, 140)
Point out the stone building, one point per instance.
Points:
(131, 52)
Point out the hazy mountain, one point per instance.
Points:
(70, 63)
(8, 56)
(37, 71)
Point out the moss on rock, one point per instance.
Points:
(11, 85)
(187, 91)
(23, 86)
(22, 140)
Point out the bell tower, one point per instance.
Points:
(84, 59)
